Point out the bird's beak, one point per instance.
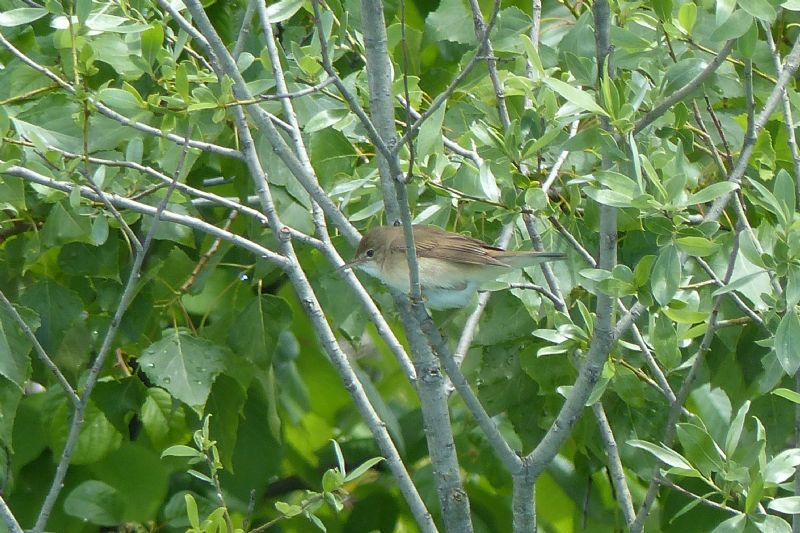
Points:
(351, 264)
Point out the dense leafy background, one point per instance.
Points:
(215, 330)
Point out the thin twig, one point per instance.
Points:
(105, 348)
(267, 127)
(705, 501)
(615, 469)
(167, 216)
(110, 113)
(445, 94)
(40, 351)
(603, 336)
(788, 120)
(683, 393)
(686, 90)
(9, 518)
(791, 63)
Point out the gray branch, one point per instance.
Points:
(9, 518)
(684, 91)
(787, 75)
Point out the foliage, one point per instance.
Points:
(155, 277)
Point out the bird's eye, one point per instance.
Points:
(370, 253)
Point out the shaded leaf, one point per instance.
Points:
(575, 96)
(666, 275)
(663, 454)
(95, 502)
(787, 342)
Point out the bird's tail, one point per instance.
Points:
(526, 259)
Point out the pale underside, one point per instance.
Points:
(448, 284)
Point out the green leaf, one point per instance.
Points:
(488, 182)
(65, 225)
(738, 284)
(332, 479)
(283, 10)
(12, 191)
(152, 39)
(663, 454)
(82, 9)
(735, 524)
(184, 365)
(129, 468)
(288, 510)
(363, 467)
(10, 398)
(787, 342)
(784, 191)
(451, 21)
(685, 315)
(687, 15)
(201, 476)
(15, 362)
(314, 519)
(666, 275)
(324, 119)
(683, 72)
(99, 232)
(533, 56)
(735, 431)
(770, 523)
(339, 457)
(770, 202)
(697, 246)
(663, 9)
(575, 96)
(112, 23)
(258, 327)
(618, 182)
(788, 505)
(700, 448)
(641, 274)
(781, 467)
(537, 145)
(162, 422)
(429, 138)
(735, 26)
(746, 44)
(20, 16)
(95, 502)
(58, 308)
(665, 342)
(97, 439)
(608, 197)
(789, 394)
(761, 9)
(191, 511)
(724, 8)
(180, 450)
(712, 192)
(792, 293)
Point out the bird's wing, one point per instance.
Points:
(451, 247)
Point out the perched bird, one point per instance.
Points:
(451, 266)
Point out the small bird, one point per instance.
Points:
(451, 266)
